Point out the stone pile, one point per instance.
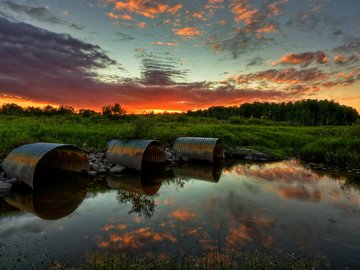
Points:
(6, 183)
(169, 155)
(100, 166)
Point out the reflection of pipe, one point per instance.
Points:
(148, 182)
(58, 196)
(199, 171)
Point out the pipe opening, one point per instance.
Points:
(25, 161)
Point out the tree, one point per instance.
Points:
(87, 113)
(11, 108)
(114, 112)
(65, 109)
(49, 110)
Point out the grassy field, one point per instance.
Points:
(337, 145)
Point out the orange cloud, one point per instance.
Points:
(146, 8)
(283, 76)
(142, 24)
(125, 16)
(346, 75)
(136, 239)
(216, 1)
(160, 43)
(198, 15)
(276, 7)
(340, 59)
(268, 28)
(300, 193)
(243, 12)
(238, 236)
(302, 58)
(183, 215)
(119, 227)
(188, 32)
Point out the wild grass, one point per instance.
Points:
(338, 145)
(212, 259)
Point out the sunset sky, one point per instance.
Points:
(155, 55)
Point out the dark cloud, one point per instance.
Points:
(41, 60)
(123, 36)
(156, 72)
(77, 26)
(242, 42)
(337, 32)
(284, 76)
(39, 13)
(256, 61)
(350, 47)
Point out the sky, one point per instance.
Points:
(164, 55)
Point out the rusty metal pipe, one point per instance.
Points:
(134, 153)
(23, 161)
(198, 148)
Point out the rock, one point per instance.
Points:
(5, 187)
(12, 181)
(95, 167)
(168, 155)
(100, 155)
(117, 169)
(92, 173)
(102, 170)
(248, 154)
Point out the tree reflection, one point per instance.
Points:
(139, 189)
(142, 204)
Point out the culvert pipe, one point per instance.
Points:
(23, 161)
(135, 153)
(198, 148)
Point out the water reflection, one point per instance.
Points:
(58, 194)
(200, 171)
(139, 189)
(145, 183)
(282, 206)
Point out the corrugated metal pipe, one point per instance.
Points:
(135, 153)
(205, 172)
(22, 162)
(198, 148)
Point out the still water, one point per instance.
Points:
(275, 207)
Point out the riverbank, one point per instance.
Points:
(332, 145)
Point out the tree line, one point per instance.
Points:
(109, 111)
(306, 112)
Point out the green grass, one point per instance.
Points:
(212, 259)
(338, 145)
